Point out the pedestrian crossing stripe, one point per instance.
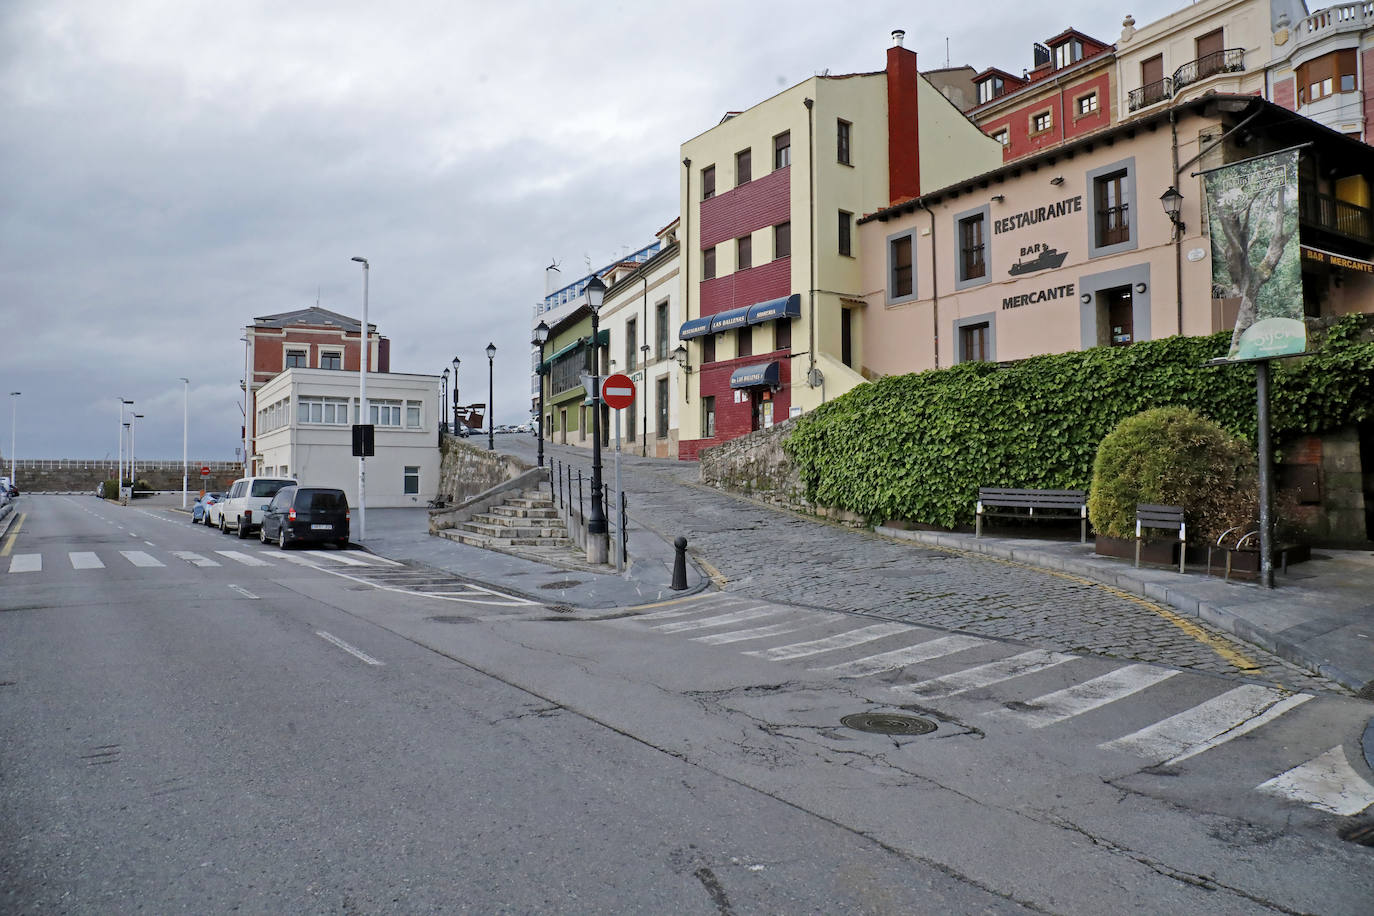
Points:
(243, 558)
(1090, 694)
(845, 640)
(140, 558)
(900, 658)
(720, 620)
(1327, 782)
(194, 559)
(26, 562)
(1208, 724)
(85, 560)
(986, 675)
(776, 629)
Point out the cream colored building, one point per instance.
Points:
(774, 317)
(304, 421)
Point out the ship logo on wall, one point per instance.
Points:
(1045, 258)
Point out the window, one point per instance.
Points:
(744, 342)
(842, 142)
(971, 248)
(412, 479)
(1087, 104)
(384, 413)
(708, 418)
(708, 263)
(708, 182)
(333, 411)
(973, 343)
(782, 149)
(899, 267)
(782, 240)
(412, 414)
(1069, 52)
(782, 334)
(1003, 137)
(1041, 122)
(297, 359)
(1112, 209)
(708, 349)
(631, 344)
(990, 89)
(743, 169)
(847, 337)
(744, 252)
(1320, 77)
(661, 400)
(664, 331)
(331, 359)
(846, 243)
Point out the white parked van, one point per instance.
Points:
(240, 511)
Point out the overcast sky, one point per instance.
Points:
(173, 169)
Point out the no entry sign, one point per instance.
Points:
(618, 391)
(204, 471)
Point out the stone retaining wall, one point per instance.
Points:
(467, 470)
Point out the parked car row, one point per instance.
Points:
(280, 509)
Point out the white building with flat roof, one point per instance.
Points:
(305, 419)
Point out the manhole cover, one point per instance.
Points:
(567, 583)
(451, 619)
(887, 723)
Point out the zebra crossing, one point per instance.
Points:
(143, 559)
(987, 677)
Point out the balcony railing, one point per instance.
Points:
(1146, 95)
(1326, 212)
(1345, 17)
(1231, 60)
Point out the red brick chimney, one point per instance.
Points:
(903, 123)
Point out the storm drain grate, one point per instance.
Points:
(568, 583)
(1362, 834)
(449, 618)
(887, 723)
(560, 608)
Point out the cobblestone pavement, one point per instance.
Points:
(767, 553)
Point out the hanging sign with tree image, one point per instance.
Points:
(1253, 207)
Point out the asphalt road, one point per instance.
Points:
(276, 733)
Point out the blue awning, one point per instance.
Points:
(785, 307)
(750, 376)
(725, 321)
(697, 327)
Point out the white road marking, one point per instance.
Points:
(244, 592)
(900, 658)
(373, 558)
(1327, 782)
(987, 675)
(777, 629)
(299, 561)
(150, 543)
(839, 641)
(356, 653)
(82, 559)
(337, 557)
(243, 558)
(194, 559)
(1080, 698)
(692, 607)
(720, 620)
(26, 562)
(139, 558)
(1208, 724)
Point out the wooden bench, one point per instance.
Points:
(1054, 505)
(1161, 517)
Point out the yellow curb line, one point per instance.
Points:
(19, 522)
(712, 573)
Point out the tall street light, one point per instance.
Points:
(119, 474)
(597, 547)
(541, 337)
(185, 426)
(133, 468)
(456, 361)
(14, 396)
(491, 405)
(363, 414)
(443, 399)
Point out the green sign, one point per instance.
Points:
(1253, 216)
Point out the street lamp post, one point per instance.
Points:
(119, 473)
(185, 426)
(443, 398)
(491, 405)
(364, 354)
(597, 546)
(133, 468)
(14, 395)
(541, 337)
(456, 361)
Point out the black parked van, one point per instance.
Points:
(309, 514)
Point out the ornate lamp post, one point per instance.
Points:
(491, 405)
(598, 548)
(443, 398)
(456, 361)
(541, 337)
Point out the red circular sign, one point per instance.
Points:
(618, 391)
(204, 470)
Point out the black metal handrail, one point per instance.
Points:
(1231, 60)
(1150, 93)
(1343, 217)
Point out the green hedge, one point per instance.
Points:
(917, 447)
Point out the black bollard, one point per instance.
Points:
(680, 564)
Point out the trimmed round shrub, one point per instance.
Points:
(1173, 456)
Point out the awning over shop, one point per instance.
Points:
(697, 327)
(751, 376)
(785, 307)
(728, 320)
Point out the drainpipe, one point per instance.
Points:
(685, 259)
(934, 281)
(1178, 235)
(643, 398)
(811, 227)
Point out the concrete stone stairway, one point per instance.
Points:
(524, 522)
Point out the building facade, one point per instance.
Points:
(304, 419)
(772, 294)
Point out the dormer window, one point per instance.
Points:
(990, 89)
(1069, 52)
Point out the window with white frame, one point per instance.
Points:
(1087, 104)
(1003, 137)
(412, 478)
(412, 414)
(384, 413)
(330, 411)
(1041, 122)
(297, 359)
(331, 359)
(274, 415)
